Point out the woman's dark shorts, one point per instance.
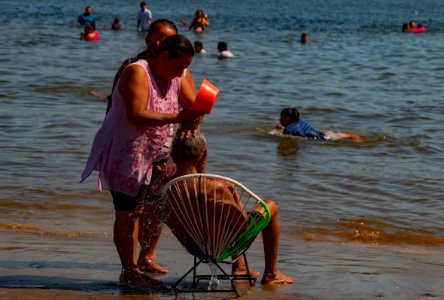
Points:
(124, 202)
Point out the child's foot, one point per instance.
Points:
(277, 278)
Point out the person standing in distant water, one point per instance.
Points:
(89, 34)
(144, 18)
(116, 25)
(222, 47)
(199, 22)
(87, 18)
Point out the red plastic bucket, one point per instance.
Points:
(206, 97)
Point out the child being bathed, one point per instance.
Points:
(290, 123)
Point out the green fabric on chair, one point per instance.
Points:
(259, 220)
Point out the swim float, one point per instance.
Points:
(95, 37)
(418, 30)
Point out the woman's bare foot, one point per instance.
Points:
(277, 278)
(151, 267)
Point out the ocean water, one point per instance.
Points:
(363, 76)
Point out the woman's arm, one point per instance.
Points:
(187, 90)
(193, 24)
(206, 21)
(186, 100)
(133, 86)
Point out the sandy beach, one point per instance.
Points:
(35, 266)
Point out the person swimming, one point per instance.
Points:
(198, 47)
(406, 27)
(89, 34)
(418, 29)
(222, 47)
(305, 40)
(116, 25)
(290, 123)
(413, 27)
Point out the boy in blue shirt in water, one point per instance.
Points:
(87, 18)
(292, 124)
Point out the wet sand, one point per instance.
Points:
(34, 266)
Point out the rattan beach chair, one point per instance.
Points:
(209, 208)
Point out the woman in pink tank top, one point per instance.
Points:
(150, 226)
(145, 103)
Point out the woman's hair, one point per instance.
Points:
(157, 25)
(177, 46)
(189, 149)
(198, 12)
(291, 113)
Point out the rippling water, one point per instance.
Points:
(363, 76)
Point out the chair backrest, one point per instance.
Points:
(213, 216)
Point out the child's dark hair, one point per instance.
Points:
(177, 46)
(291, 113)
(222, 46)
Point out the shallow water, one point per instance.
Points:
(363, 76)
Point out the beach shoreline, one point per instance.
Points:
(34, 267)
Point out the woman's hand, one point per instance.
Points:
(191, 128)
